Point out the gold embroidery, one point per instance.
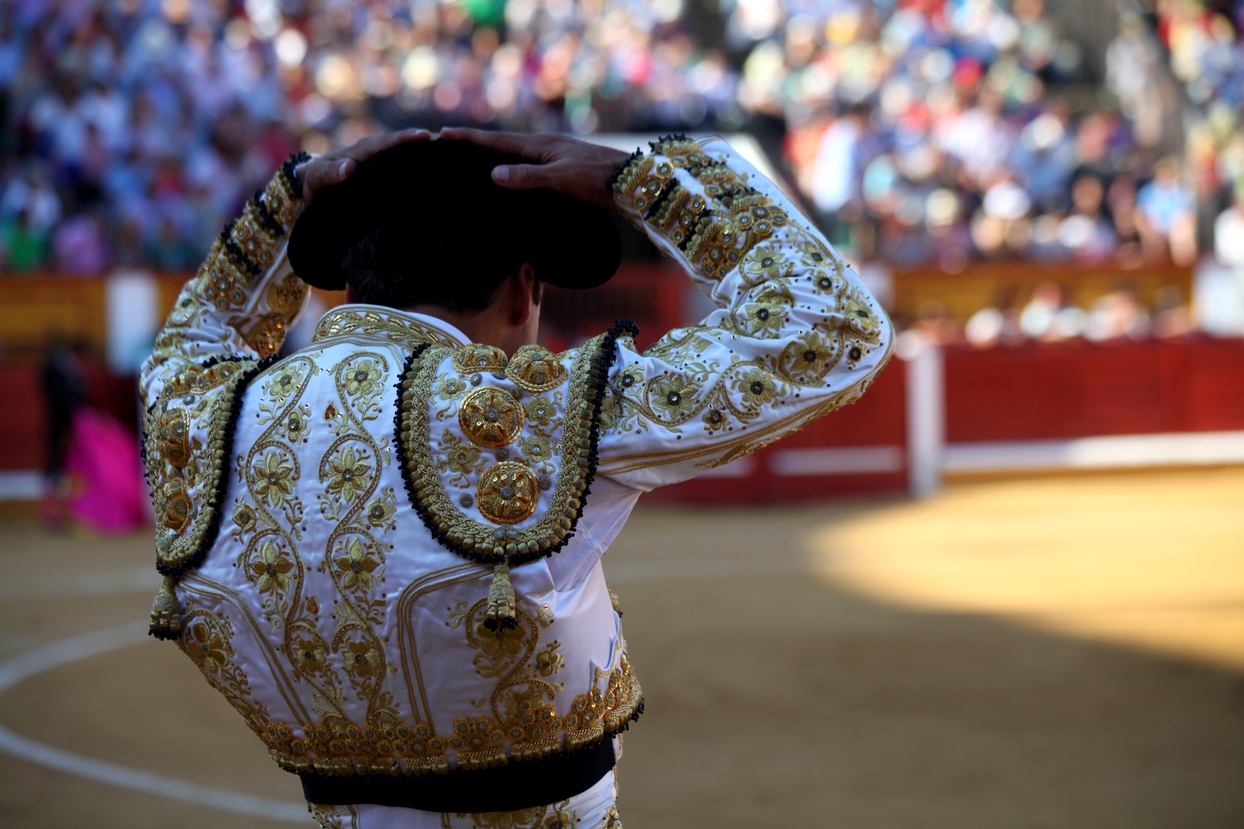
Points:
(536, 369)
(351, 322)
(265, 333)
(187, 488)
(507, 493)
(474, 358)
(331, 817)
(425, 480)
(491, 417)
(208, 641)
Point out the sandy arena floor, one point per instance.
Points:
(1055, 653)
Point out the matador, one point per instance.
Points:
(384, 549)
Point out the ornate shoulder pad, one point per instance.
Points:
(498, 454)
(188, 439)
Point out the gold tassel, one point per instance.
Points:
(500, 613)
(165, 612)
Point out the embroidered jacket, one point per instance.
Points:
(384, 550)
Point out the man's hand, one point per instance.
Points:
(337, 166)
(577, 168)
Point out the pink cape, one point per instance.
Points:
(109, 493)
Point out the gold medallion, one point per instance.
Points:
(536, 369)
(490, 417)
(507, 493)
(477, 357)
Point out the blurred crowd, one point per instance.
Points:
(1049, 313)
(920, 131)
(964, 130)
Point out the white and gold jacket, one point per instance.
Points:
(385, 549)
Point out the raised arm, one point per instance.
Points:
(245, 295)
(796, 334)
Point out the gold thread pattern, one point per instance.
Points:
(474, 358)
(351, 321)
(536, 369)
(491, 417)
(507, 493)
(424, 476)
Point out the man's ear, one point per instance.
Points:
(523, 288)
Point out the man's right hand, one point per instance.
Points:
(576, 168)
(337, 166)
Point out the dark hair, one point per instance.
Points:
(383, 269)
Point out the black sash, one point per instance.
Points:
(518, 785)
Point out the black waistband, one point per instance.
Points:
(518, 785)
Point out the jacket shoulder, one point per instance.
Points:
(187, 441)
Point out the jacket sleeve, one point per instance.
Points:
(244, 296)
(795, 334)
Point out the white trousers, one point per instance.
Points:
(593, 809)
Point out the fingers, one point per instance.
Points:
(522, 176)
(527, 146)
(379, 143)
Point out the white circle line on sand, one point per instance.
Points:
(64, 652)
(80, 585)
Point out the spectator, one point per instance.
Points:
(23, 246)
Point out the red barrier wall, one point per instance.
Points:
(1081, 389)
(876, 421)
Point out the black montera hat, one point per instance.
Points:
(438, 201)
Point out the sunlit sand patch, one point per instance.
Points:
(1150, 561)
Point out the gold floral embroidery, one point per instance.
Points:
(346, 322)
(174, 435)
(363, 658)
(380, 511)
(766, 317)
(757, 387)
(362, 378)
(451, 387)
(542, 410)
(356, 566)
(348, 474)
(265, 333)
(611, 820)
(209, 644)
(244, 517)
(176, 508)
(461, 458)
(766, 263)
(673, 396)
(332, 817)
(809, 358)
(272, 479)
(270, 569)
